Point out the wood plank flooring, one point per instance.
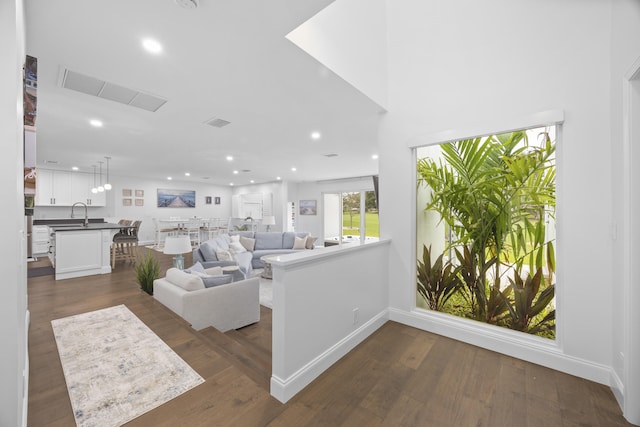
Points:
(400, 376)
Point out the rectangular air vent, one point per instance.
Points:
(105, 90)
(217, 122)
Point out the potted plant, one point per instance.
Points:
(147, 270)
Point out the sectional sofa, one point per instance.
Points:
(245, 248)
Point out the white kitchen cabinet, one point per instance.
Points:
(53, 188)
(62, 188)
(82, 253)
(81, 185)
(40, 239)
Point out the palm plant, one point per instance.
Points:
(494, 194)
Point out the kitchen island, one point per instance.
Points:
(81, 250)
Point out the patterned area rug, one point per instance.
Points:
(116, 368)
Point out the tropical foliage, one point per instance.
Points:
(494, 195)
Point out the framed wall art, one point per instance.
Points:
(308, 207)
(168, 198)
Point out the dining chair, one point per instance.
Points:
(162, 229)
(192, 229)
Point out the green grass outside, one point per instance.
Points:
(371, 221)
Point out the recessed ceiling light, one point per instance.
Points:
(235, 172)
(231, 184)
(229, 158)
(293, 169)
(95, 123)
(315, 135)
(278, 178)
(252, 181)
(169, 178)
(75, 168)
(152, 46)
(187, 174)
(374, 157)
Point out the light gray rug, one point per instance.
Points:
(116, 368)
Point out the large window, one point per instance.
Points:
(486, 229)
(350, 216)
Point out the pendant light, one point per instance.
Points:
(107, 185)
(94, 190)
(100, 187)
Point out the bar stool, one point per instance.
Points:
(125, 244)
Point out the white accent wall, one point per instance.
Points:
(13, 304)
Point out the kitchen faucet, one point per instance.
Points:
(86, 216)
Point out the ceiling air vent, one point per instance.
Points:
(330, 155)
(217, 122)
(105, 90)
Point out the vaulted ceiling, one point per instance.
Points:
(224, 59)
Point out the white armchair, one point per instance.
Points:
(225, 307)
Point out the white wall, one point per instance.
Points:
(625, 51)
(459, 76)
(115, 209)
(13, 304)
(315, 294)
(276, 189)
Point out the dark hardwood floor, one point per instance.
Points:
(400, 376)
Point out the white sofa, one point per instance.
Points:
(225, 307)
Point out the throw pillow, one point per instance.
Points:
(299, 243)
(248, 243)
(309, 242)
(235, 238)
(236, 248)
(211, 281)
(224, 256)
(208, 252)
(197, 267)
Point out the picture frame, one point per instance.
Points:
(139, 193)
(207, 200)
(126, 192)
(170, 198)
(308, 207)
(217, 200)
(139, 202)
(126, 202)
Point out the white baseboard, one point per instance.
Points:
(25, 373)
(529, 348)
(285, 389)
(617, 387)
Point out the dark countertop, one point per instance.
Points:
(66, 221)
(91, 226)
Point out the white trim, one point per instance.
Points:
(543, 118)
(528, 348)
(617, 387)
(285, 389)
(627, 398)
(25, 373)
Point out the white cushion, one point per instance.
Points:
(299, 243)
(186, 281)
(236, 248)
(224, 255)
(235, 238)
(213, 271)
